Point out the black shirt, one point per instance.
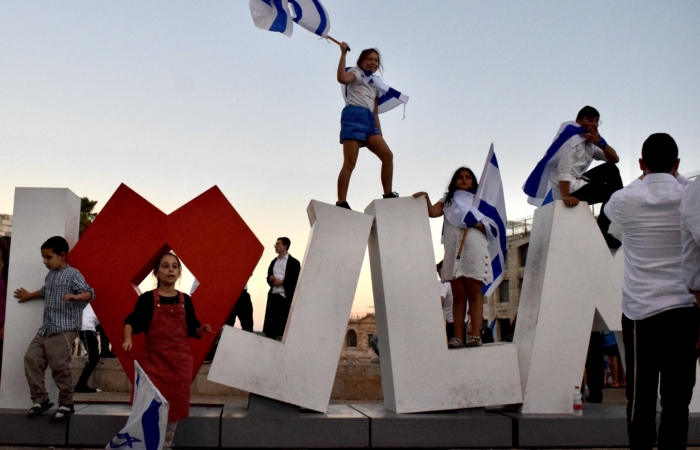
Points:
(142, 315)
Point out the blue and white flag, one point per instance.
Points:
(311, 15)
(538, 186)
(389, 98)
(272, 15)
(491, 203)
(145, 429)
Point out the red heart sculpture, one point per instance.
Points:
(120, 248)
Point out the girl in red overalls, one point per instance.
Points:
(167, 318)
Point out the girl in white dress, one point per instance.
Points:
(467, 265)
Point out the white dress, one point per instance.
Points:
(474, 261)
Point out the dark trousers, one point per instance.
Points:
(664, 345)
(89, 339)
(603, 181)
(594, 366)
(244, 311)
(276, 314)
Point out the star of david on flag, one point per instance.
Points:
(145, 429)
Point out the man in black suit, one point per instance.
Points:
(282, 276)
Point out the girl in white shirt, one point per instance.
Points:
(359, 121)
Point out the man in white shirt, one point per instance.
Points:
(282, 276)
(575, 183)
(690, 235)
(660, 319)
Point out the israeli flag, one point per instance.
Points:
(491, 203)
(272, 15)
(538, 186)
(389, 98)
(145, 429)
(311, 14)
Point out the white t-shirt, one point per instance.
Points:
(573, 164)
(90, 321)
(359, 92)
(278, 271)
(647, 212)
(446, 293)
(690, 235)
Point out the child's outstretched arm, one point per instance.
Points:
(126, 345)
(343, 76)
(24, 295)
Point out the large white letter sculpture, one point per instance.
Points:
(419, 373)
(569, 273)
(300, 370)
(38, 214)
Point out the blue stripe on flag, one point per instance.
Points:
(297, 10)
(280, 23)
(322, 25)
(532, 184)
(494, 161)
(492, 213)
(549, 198)
(151, 429)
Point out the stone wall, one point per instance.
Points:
(6, 225)
(352, 381)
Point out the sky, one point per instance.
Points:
(173, 97)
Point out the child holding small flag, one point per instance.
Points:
(168, 319)
(359, 121)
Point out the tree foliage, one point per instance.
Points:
(86, 214)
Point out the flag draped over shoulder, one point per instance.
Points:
(311, 15)
(490, 202)
(538, 185)
(389, 98)
(145, 429)
(272, 15)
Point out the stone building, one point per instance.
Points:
(356, 348)
(6, 225)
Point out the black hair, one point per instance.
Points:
(452, 187)
(659, 153)
(5, 250)
(365, 53)
(56, 244)
(587, 111)
(160, 260)
(285, 241)
(439, 265)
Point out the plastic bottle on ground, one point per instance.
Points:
(578, 404)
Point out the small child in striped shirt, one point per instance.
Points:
(66, 293)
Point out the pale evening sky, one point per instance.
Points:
(171, 98)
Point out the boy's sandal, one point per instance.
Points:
(473, 341)
(455, 343)
(63, 412)
(39, 408)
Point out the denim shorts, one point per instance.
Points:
(357, 123)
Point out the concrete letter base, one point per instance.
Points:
(300, 370)
(570, 272)
(97, 424)
(446, 430)
(419, 373)
(340, 427)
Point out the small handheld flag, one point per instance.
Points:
(145, 429)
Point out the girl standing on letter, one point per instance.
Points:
(359, 122)
(467, 264)
(168, 319)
